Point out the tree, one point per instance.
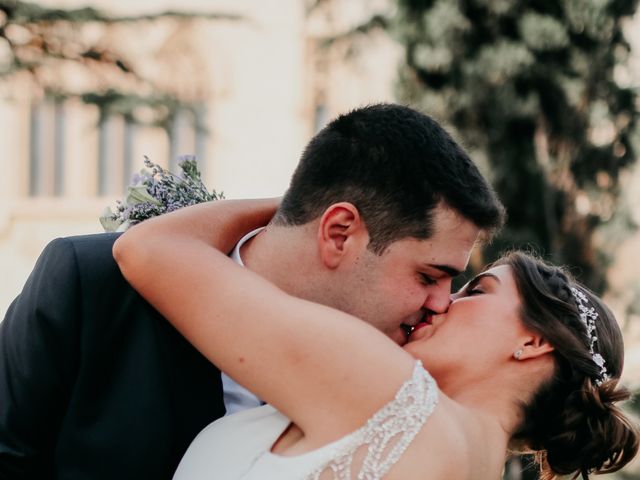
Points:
(531, 88)
(537, 91)
(41, 42)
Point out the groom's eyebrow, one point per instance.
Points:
(449, 270)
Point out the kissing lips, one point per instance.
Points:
(426, 320)
(419, 326)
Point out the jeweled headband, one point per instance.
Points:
(588, 316)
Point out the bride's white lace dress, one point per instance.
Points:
(238, 446)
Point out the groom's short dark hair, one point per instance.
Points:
(395, 165)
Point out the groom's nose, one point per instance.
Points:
(439, 298)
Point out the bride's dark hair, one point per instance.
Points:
(573, 423)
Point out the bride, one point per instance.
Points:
(525, 359)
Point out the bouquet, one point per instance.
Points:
(155, 191)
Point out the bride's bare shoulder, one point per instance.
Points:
(447, 448)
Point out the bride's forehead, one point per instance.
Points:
(500, 271)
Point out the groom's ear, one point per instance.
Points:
(341, 233)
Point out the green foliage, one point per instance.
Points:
(35, 39)
(529, 88)
(542, 33)
(26, 13)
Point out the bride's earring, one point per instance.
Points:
(517, 354)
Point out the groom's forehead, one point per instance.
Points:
(447, 250)
(446, 270)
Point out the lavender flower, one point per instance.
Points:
(155, 191)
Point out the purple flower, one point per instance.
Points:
(155, 191)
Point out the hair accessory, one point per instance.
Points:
(517, 354)
(588, 316)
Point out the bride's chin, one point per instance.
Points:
(421, 333)
(412, 350)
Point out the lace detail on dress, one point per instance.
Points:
(381, 442)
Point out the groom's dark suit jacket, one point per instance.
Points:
(94, 383)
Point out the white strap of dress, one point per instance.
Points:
(398, 421)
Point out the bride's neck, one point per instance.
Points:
(495, 400)
(484, 422)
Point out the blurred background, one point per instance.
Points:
(545, 95)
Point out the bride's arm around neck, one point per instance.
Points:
(324, 369)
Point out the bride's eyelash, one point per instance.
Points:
(473, 289)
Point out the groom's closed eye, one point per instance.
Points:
(437, 273)
(427, 279)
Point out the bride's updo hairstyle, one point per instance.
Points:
(573, 423)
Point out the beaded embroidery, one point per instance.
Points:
(588, 317)
(399, 420)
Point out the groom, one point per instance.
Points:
(95, 384)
